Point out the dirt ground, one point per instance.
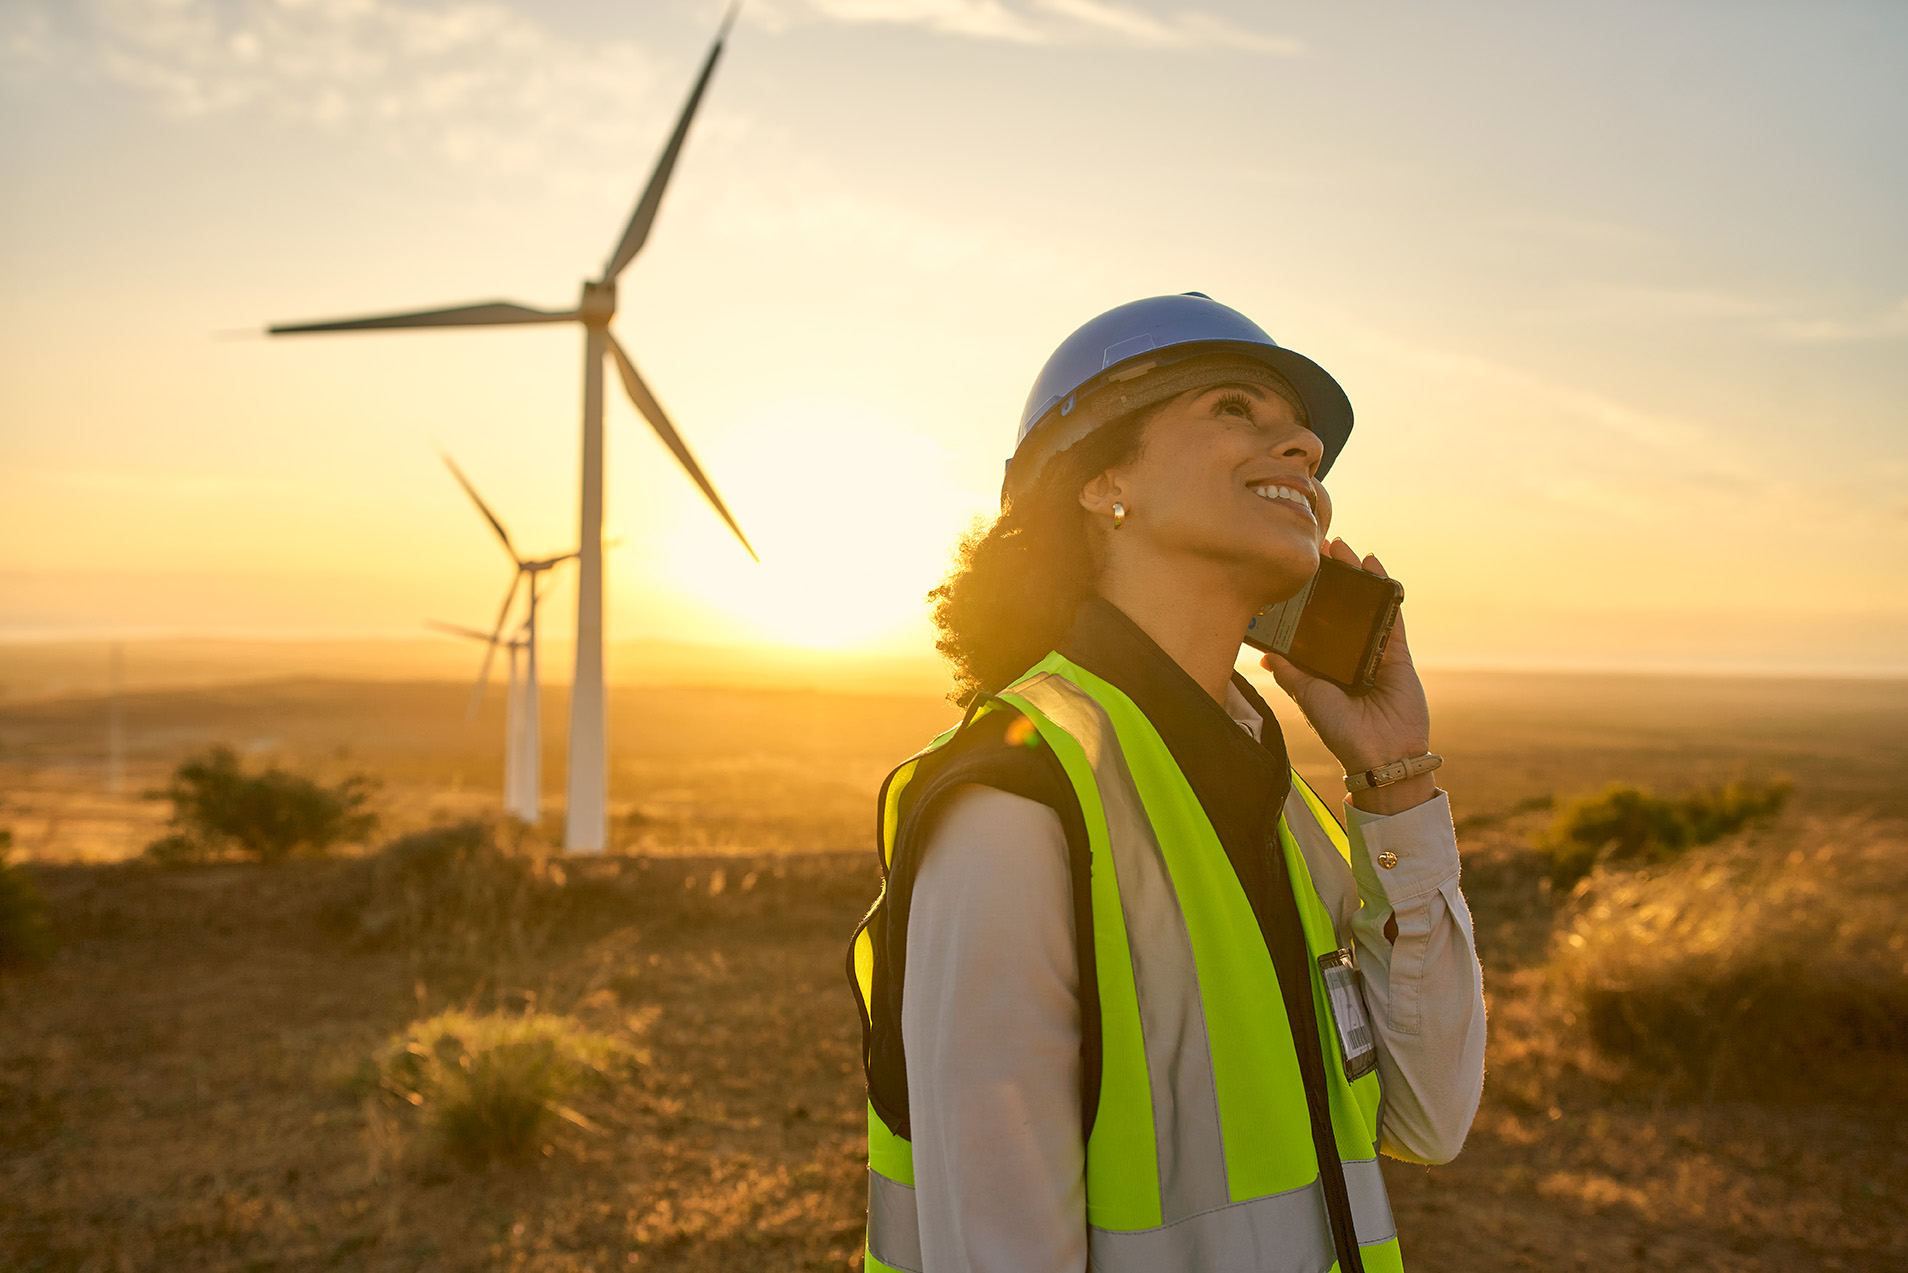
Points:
(174, 1083)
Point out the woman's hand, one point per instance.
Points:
(1393, 722)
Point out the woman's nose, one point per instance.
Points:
(1304, 445)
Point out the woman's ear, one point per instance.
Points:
(1099, 495)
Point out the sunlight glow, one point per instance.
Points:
(854, 521)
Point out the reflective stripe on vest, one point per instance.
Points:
(894, 1226)
(1201, 1155)
(1243, 1235)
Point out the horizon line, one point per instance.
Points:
(1653, 666)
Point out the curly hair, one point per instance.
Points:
(1017, 581)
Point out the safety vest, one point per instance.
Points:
(1200, 1155)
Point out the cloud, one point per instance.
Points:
(1583, 448)
(1578, 231)
(1050, 22)
(1763, 317)
(1614, 419)
(486, 88)
(1890, 324)
(483, 84)
(1575, 446)
(1680, 303)
(978, 19)
(1183, 31)
(471, 81)
(807, 206)
(27, 42)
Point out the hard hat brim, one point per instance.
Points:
(1327, 407)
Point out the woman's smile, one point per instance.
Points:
(1293, 497)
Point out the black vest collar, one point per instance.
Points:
(1241, 784)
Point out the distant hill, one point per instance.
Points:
(32, 670)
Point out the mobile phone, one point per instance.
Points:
(1336, 627)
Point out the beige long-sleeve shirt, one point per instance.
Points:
(994, 1078)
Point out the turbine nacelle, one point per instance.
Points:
(598, 304)
(542, 564)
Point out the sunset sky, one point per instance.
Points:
(1620, 293)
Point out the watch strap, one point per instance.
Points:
(1396, 771)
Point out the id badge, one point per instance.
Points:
(1344, 988)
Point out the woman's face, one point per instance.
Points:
(1223, 476)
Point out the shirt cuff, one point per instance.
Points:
(1420, 845)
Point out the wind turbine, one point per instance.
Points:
(523, 771)
(586, 825)
(523, 714)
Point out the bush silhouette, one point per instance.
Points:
(23, 934)
(217, 806)
(1625, 824)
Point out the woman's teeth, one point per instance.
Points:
(1286, 493)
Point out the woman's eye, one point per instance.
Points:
(1236, 405)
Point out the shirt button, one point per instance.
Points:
(1387, 859)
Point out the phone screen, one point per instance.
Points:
(1338, 619)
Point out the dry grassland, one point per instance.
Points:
(182, 1084)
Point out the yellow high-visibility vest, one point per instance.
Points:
(1201, 1154)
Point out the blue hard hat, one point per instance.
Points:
(1133, 339)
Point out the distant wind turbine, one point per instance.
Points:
(523, 713)
(523, 770)
(586, 826)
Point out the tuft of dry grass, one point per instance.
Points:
(1770, 965)
(489, 1085)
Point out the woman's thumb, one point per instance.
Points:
(1291, 678)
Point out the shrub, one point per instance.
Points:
(1625, 824)
(23, 933)
(217, 807)
(450, 886)
(1741, 971)
(489, 1085)
(1715, 814)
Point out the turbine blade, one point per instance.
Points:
(652, 411)
(490, 651)
(637, 231)
(484, 314)
(482, 507)
(457, 629)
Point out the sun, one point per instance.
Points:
(855, 521)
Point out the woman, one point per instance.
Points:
(1108, 993)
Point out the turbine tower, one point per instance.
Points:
(523, 770)
(523, 715)
(586, 825)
